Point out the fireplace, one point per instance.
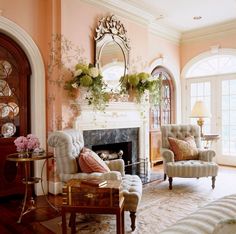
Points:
(114, 140)
(121, 123)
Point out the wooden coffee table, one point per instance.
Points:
(93, 208)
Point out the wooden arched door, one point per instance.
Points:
(164, 113)
(14, 110)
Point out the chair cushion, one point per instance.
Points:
(90, 162)
(183, 150)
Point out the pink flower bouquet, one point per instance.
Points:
(21, 143)
(29, 143)
(33, 142)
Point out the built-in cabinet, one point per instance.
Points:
(154, 136)
(14, 111)
(155, 145)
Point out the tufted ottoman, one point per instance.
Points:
(132, 191)
(191, 169)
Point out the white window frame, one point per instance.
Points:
(215, 105)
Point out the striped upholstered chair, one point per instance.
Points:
(67, 146)
(199, 162)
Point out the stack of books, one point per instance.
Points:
(94, 183)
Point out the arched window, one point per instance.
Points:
(213, 65)
(164, 113)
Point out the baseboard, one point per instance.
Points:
(55, 187)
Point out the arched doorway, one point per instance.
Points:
(14, 110)
(164, 113)
(37, 86)
(212, 78)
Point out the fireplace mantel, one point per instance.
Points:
(118, 115)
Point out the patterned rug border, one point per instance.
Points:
(158, 208)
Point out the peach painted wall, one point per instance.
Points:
(32, 16)
(77, 20)
(169, 51)
(189, 50)
(79, 27)
(159, 47)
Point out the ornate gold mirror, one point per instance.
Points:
(112, 51)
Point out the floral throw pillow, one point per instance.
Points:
(183, 150)
(191, 141)
(90, 162)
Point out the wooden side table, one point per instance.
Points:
(93, 207)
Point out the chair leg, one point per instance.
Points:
(132, 217)
(164, 176)
(170, 183)
(213, 182)
(72, 219)
(72, 223)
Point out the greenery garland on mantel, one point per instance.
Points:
(88, 77)
(139, 83)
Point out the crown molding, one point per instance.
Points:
(222, 29)
(142, 17)
(125, 9)
(165, 32)
(139, 16)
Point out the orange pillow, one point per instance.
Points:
(90, 162)
(182, 149)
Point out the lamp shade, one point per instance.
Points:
(200, 110)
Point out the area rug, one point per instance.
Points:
(159, 207)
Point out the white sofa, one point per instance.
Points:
(218, 217)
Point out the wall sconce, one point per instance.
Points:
(200, 111)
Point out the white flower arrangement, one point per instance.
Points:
(89, 77)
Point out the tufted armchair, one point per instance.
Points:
(67, 145)
(201, 166)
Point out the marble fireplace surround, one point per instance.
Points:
(125, 139)
(118, 115)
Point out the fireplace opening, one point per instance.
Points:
(118, 150)
(114, 151)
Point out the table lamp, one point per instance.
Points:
(200, 111)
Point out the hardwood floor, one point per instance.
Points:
(10, 211)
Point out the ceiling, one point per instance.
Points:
(178, 14)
